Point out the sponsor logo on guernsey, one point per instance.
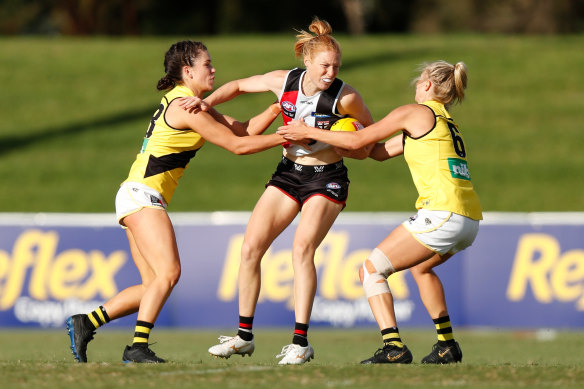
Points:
(323, 121)
(458, 168)
(289, 108)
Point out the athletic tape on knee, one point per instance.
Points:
(381, 263)
(376, 269)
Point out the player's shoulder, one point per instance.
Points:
(349, 91)
(279, 74)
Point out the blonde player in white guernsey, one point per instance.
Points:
(312, 182)
(172, 139)
(448, 206)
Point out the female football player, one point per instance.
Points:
(448, 206)
(173, 137)
(312, 182)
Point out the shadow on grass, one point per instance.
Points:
(13, 143)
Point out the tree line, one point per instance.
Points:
(179, 17)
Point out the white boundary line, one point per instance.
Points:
(241, 218)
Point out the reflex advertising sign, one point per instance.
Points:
(523, 271)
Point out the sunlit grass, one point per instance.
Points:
(74, 112)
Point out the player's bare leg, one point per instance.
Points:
(317, 216)
(155, 240)
(273, 212)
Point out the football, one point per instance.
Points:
(346, 124)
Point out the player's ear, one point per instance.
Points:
(187, 72)
(427, 85)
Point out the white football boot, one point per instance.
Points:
(229, 345)
(294, 354)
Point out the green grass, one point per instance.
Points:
(494, 359)
(74, 111)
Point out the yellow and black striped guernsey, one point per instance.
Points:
(439, 167)
(166, 150)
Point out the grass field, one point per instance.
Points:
(492, 359)
(74, 112)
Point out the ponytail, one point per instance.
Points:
(165, 83)
(307, 44)
(449, 81)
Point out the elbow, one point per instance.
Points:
(241, 150)
(354, 146)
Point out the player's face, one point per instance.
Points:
(203, 72)
(322, 69)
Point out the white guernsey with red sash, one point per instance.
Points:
(318, 110)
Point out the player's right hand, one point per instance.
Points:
(193, 104)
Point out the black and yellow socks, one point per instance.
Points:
(98, 317)
(142, 333)
(391, 337)
(443, 329)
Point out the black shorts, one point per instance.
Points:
(301, 182)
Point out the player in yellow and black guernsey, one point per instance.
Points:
(174, 136)
(437, 161)
(166, 150)
(448, 214)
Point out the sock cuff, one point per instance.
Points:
(246, 322)
(441, 320)
(389, 330)
(104, 313)
(141, 323)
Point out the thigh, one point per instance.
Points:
(403, 250)
(273, 212)
(154, 238)
(317, 217)
(146, 272)
(429, 264)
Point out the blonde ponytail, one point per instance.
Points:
(449, 81)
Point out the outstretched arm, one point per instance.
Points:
(404, 118)
(271, 81)
(268, 82)
(254, 126)
(220, 134)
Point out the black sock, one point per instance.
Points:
(245, 328)
(300, 334)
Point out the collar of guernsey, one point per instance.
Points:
(440, 172)
(166, 150)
